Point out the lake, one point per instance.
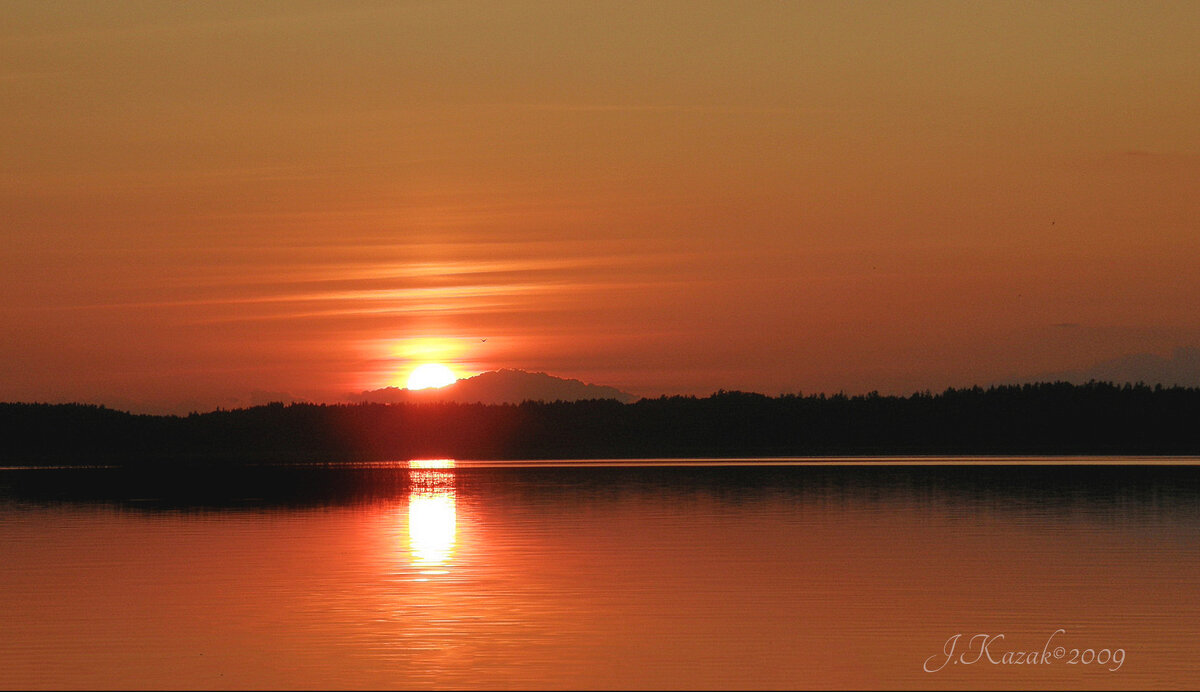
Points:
(886, 573)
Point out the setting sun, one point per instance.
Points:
(431, 375)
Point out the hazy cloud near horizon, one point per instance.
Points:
(1181, 368)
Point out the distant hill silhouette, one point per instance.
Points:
(505, 386)
(1181, 369)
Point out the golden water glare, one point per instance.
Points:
(432, 513)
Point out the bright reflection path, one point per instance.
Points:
(444, 464)
(432, 515)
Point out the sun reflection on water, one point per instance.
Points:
(432, 513)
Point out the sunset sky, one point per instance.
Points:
(210, 204)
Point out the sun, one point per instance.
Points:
(431, 375)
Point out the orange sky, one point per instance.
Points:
(211, 204)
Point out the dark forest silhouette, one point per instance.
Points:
(1044, 419)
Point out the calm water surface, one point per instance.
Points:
(601, 576)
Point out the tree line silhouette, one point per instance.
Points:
(1033, 419)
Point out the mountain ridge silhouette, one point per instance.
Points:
(504, 386)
